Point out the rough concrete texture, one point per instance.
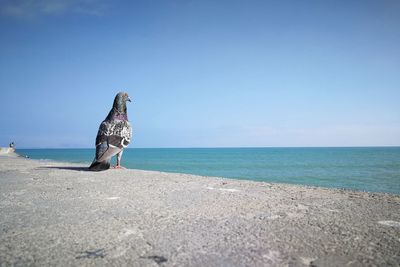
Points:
(59, 214)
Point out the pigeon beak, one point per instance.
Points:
(129, 99)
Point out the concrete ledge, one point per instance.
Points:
(8, 151)
(60, 214)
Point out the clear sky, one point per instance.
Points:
(201, 73)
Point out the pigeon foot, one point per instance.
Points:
(119, 167)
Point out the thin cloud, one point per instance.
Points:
(39, 8)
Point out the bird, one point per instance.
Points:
(114, 134)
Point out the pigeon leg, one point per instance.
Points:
(119, 156)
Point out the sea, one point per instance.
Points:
(373, 169)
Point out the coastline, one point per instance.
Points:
(363, 169)
(56, 213)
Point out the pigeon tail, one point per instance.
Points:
(99, 166)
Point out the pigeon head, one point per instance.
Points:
(118, 110)
(120, 102)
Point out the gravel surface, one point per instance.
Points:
(60, 214)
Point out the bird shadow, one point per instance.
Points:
(85, 169)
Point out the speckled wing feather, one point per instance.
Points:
(113, 136)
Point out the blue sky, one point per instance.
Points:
(201, 73)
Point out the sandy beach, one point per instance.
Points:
(59, 214)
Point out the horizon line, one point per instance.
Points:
(369, 146)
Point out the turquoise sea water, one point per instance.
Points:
(369, 169)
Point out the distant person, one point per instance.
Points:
(12, 145)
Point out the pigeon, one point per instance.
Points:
(114, 135)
